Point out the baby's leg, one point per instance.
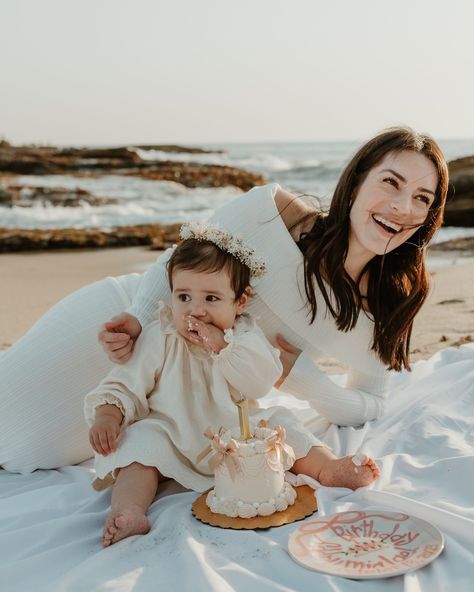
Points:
(321, 464)
(132, 495)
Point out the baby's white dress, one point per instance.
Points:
(171, 391)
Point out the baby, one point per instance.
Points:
(189, 367)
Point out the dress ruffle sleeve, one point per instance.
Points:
(249, 363)
(128, 386)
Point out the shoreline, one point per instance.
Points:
(458, 241)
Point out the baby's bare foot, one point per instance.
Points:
(124, 523)
(343, 472)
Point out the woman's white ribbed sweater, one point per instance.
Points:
(279, 304)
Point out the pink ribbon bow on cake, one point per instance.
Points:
(223, 452)
(281, 451)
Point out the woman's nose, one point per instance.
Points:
(402, 203)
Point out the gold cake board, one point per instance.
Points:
(305, 505)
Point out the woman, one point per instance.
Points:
(347, 285)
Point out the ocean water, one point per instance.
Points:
(311, 168)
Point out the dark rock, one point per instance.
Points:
(460, 205)
(5, 196)
(465, 246)
(118, 154)
(198, 175)
(26, 196)
(153, 235)
(175, 148)
(463, 340)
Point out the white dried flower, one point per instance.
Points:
(231, 244)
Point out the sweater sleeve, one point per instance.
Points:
(128, 386)
(153, 288)
(361, 399)
(249, 363)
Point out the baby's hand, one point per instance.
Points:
(103, 434)
(206, 335)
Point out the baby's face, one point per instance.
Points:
(208, 297)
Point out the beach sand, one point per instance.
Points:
(32, 282)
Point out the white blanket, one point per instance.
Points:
(51, 521)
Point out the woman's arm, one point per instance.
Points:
(361, 399)
(297, 215)
(118, 335)
(153, 287)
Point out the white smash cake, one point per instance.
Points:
(250, 475)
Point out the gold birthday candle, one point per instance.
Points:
(243, 406)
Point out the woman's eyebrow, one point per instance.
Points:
(404, 180)
(394, 173)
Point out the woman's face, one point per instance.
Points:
(391, 203)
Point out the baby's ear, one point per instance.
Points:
(243, 300)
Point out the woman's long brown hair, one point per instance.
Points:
(398, 282)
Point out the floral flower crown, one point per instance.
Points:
(202, 231)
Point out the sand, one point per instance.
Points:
(30, 283)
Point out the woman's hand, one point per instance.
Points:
(118, 337)
(288, 356)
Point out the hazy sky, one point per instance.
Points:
(121, 71)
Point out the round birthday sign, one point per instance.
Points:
(365, 544)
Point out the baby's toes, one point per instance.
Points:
(372, 465)
(109, 532)
(365, 475)
(108, 538)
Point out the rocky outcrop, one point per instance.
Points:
(153, 235)
(156, 236)
(460, 205)
(461, 245)
(176, 148)
(48, 160)
(26, 196)
(198, 175)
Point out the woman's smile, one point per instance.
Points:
(386, 225)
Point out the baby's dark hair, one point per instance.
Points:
(206, 257)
